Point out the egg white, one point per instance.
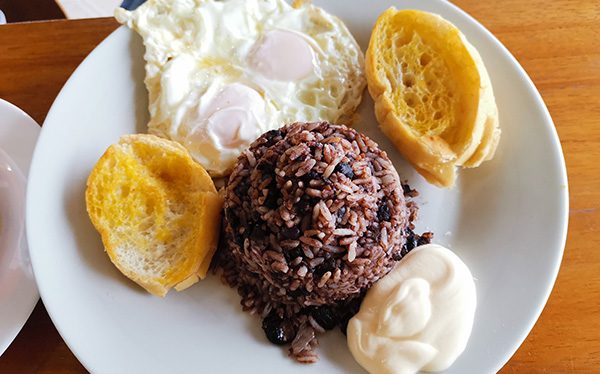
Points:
(196, 48)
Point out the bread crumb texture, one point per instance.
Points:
(157, 210)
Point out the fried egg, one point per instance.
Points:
(221, 73)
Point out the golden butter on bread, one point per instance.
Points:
(433, 96)
(157, 210)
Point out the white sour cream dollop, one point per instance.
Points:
(416, 318)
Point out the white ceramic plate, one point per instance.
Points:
(18, 292)
(507, 220)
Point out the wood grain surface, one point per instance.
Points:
(558, 44)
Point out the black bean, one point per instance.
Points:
(348, 312)
(239, 240)
(427, 236)
(270, 135)
(241, 190)
(313, 201)
(277, 330)
(233, 220)
(266, 167)
(323, 268)
(248, 273)
(340, 213)
(291, 233)
(293, 254)
(423, 240)
(248, 230)
(272, 197)
(344, 168)
(344, 323)
(298, 292)
(383, 213)
(303, 205)
(324, 316)
(257, 233)
(267, 174)
(410, 243)
(311, 175)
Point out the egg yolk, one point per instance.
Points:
(283, 56)
(232, 116)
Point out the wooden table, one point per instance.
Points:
(558, 44)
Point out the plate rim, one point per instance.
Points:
(26, 302)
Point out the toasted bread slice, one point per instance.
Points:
(433, 96)
(157, 211)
